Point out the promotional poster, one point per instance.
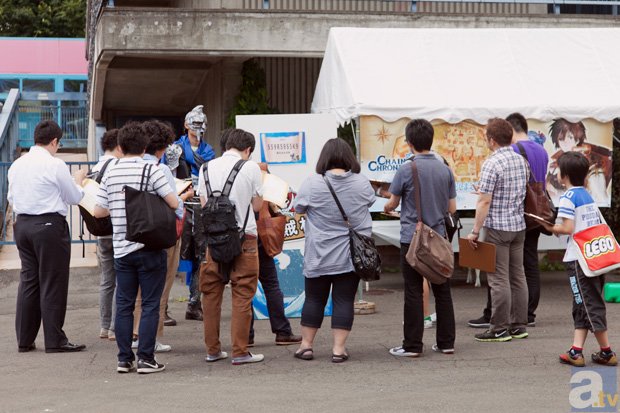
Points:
(383, 149)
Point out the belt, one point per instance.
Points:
(48, 215)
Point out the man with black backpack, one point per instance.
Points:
(230, 187)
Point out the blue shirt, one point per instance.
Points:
(204, 150)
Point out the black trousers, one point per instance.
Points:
(44, 246)
(268, 277)
(532, 276)
(343, 288)
(413, 328)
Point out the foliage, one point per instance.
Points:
(253, 97)
(42, 18)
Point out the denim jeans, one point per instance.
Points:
(146, 270)
(107, 286)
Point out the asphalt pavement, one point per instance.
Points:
(517, 376)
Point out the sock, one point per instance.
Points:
(575, 350)
(606, 350)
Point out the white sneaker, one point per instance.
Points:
(436, 349)
(428, 323)
(250, 358)
(401, 352)
(162, 348)
(434, 318)
(220, 356)
(103, 333)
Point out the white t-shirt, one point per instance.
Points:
(577, 204)
(247, 185)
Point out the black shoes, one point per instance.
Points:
(494, 336)
(481, 322)
(26, 349)
(146, 367)
(287, 339)
(193, 312)
(125, 366)
(518, 333)
(66, 348)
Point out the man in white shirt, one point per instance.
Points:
(246, 194)
(40, 190)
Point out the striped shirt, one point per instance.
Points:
(128, 172)
(504, 175)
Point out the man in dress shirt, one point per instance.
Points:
(40, 188)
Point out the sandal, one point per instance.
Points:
(339, 358)
(303, 354)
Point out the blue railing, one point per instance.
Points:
(73, 217)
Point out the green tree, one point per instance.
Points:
(253, 98)
(43, 18)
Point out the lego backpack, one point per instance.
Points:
(598, 250)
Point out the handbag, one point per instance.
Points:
(537, 200)
(429, 253)
(364, 254)
(150, 221)
(453, 225)
(597, 249)
(270, 230)
(99, 227)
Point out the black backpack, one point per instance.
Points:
(98, 227)
(223, 236)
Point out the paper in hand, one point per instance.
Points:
(537, 218)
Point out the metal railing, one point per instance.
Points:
(8, 143)
(73, 120)
(77, 229)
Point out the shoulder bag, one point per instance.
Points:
(150, 221)
(598, 251)
(364, 253)
(537, 200)
(99, 227)
(429, 253)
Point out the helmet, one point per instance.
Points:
(173, 154)
(196, 120)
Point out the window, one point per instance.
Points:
(8, 84)
(38, 85)
(74, 85)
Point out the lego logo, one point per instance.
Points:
(599, 246)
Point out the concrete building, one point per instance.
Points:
(159, 58)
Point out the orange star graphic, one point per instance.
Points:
(383, 135)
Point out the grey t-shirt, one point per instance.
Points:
(437, 188)
(327, 236)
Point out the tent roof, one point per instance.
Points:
(477, 74)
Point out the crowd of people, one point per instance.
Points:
(136, 280)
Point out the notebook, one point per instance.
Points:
(482, 258)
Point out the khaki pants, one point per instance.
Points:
(244, 279)
(172, 255)
(507, 283)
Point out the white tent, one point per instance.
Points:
(458, 74)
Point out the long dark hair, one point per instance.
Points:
(336, 153)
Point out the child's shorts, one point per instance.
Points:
(588, 304)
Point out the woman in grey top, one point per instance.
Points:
(327, 258)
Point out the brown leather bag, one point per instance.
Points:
(537, 200)
(270, 230)
(429, 253)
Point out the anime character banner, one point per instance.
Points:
(383, 149)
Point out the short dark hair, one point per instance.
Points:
(109, 140)
(518, 122)
(575, 166)
(224, 138)
(132, 139)
(240, 140)
(159, 135)
(500, 131)
(46, 131)
(419, 133)
(336, 153)
(560, 127)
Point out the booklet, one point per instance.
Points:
(537, 218)
(89, 200)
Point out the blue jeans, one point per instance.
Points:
(147, 270)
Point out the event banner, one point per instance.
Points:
(463, 146)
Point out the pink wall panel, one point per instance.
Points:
(43, 56)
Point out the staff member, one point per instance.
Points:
(40, 188)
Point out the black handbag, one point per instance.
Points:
(150, 221)
(99, 227)
(453, 225)
(364, 254)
